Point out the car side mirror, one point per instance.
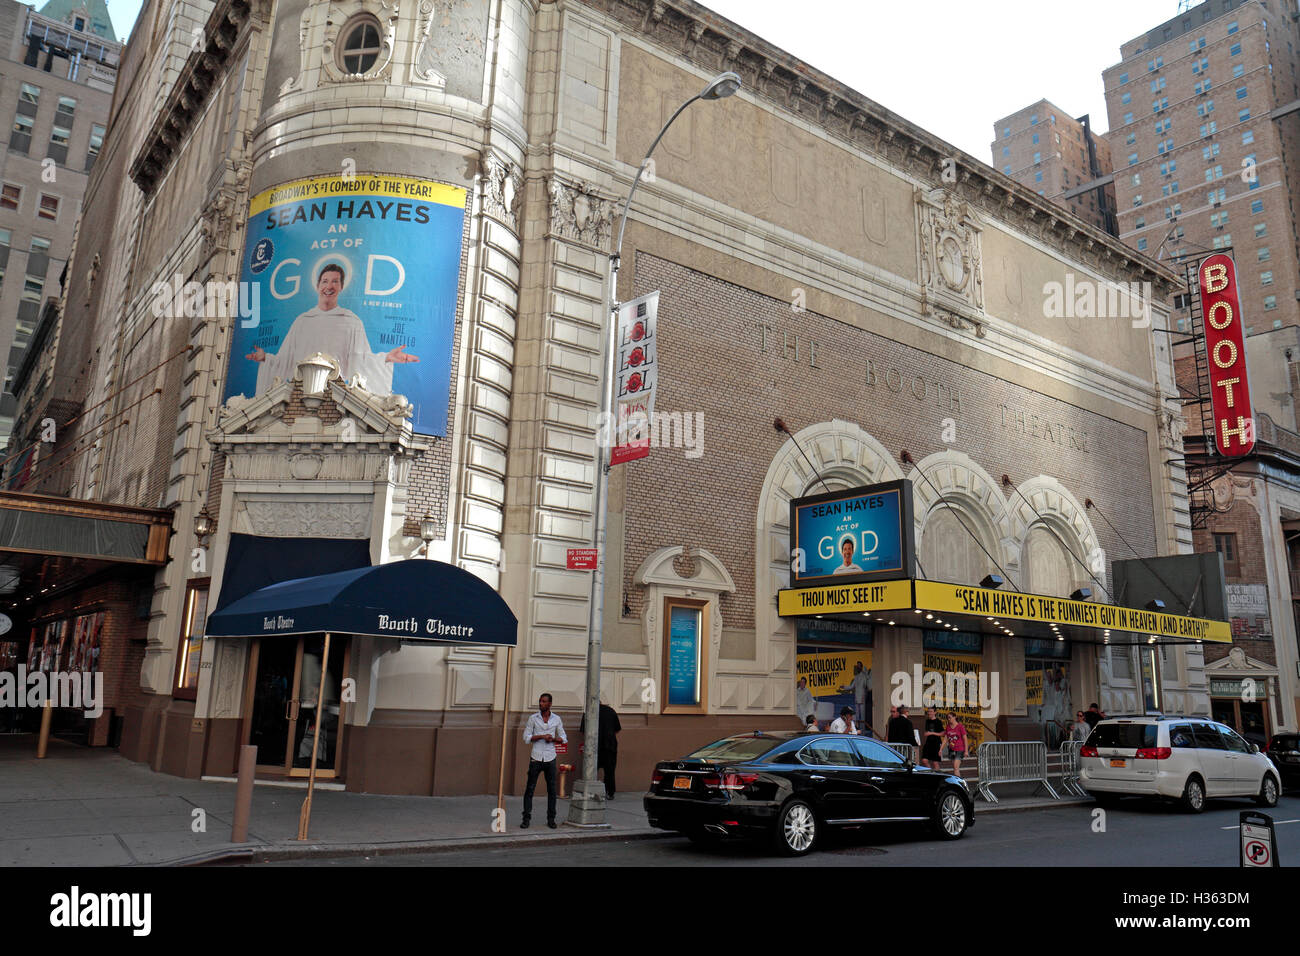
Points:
(1254, 748)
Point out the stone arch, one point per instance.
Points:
(1059, 512)
(957, 483)
(846, 456)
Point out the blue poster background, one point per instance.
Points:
(398, 240)
(683, 656)
(872, 522)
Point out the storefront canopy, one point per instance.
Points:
(914, 602)
(416, 600)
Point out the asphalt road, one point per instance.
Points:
(1136, 834)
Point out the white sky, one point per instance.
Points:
(950, 66)
(954, 66)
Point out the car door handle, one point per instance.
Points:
(817, 777)
(877, 779)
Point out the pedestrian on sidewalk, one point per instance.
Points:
(932, 740)
(1081, 727)
(956, 734)
(844, 724)
(899, 730)
(606, 744)
(1092, 715)
(541, 732)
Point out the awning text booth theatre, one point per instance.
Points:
(415, 600)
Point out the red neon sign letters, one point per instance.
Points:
(1225, 350)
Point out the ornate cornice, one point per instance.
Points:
(687, 29)
(191, 90)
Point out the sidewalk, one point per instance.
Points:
(81, 807)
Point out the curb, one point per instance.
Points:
(268, 852)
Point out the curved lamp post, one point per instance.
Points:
(587, 807)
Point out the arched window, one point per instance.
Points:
(1048, 567)
(947, 551)
(360, 47)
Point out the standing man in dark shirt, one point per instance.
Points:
(1092, 715)
(606, 745)
(900, 730)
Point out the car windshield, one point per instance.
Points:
(735, 748)
(1133, 736)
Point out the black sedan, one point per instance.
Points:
(789, 787)
(1284, 751)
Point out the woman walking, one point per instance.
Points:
(931, 740)
(956, 734)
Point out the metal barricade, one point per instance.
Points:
(1012, 761)
(1070, 765)
(906, 751)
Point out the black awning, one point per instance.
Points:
(415, 600)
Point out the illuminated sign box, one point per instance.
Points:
(861, 534)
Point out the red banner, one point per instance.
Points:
(1225, 349)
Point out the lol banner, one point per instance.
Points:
(363, 268)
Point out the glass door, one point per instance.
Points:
(282, 713)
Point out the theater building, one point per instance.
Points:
(906, 310)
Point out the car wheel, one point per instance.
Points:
(950, 817)
(1267, 792)
(1194, 795)
(796, 829)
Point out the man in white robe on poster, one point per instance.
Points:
(336, 332)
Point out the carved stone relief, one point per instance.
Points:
(579, 213)
(426, 57)
(310, 519)
(503, 192)
(950, 259)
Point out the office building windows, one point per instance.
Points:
(1266, 278)
(10, 196)
(49, 208)
(1247, 137)
(1261, 230)
(1270, 303)
(20, 140)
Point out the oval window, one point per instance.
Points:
(360, 47)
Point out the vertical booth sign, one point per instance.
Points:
(1225, 349)
(363, 268)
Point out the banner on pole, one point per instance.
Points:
(637, 377)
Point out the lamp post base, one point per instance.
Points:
(587, 807)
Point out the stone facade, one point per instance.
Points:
(814, 263)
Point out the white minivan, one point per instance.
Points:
(1181, 758)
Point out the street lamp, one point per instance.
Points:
(428, 531)
(587, 807)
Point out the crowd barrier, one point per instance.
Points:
(1070, 767)
(1008, 761)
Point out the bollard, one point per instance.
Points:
(43, 740)
(243, 794)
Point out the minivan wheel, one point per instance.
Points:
(1267, 792)
(950, 818)
(1194, 795)
(796, 829)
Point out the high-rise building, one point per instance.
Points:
(1057, 156)
(1205, 130)
(1200, 165)
(55, 88)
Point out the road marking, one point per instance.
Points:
(1277, 823)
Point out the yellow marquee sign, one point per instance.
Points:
(947, 598)
(842, 598)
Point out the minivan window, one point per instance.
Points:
(1180, 735)
(1208, 737)
(1233, 742)
(1130, 736)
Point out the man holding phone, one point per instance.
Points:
(541, 732)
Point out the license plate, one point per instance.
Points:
(681, 783)
(1117, 763)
